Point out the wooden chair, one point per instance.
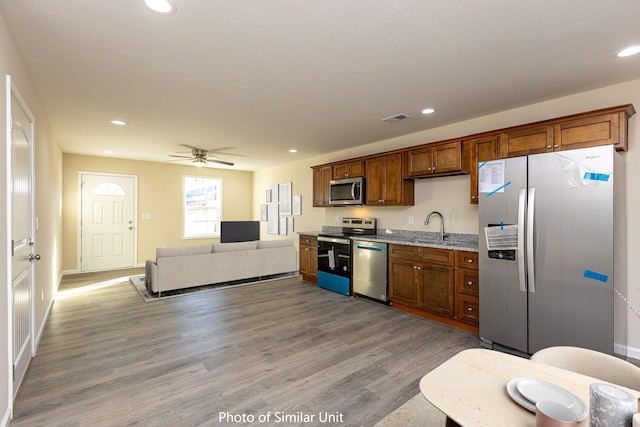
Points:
(595, 364)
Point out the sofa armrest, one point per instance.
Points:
(151, 275)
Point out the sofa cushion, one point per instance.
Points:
(181, 251)
(280, 243)
(235, 246)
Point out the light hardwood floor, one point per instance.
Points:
(108, 358)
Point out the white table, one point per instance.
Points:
(470, 388)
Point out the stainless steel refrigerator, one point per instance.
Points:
(551, 250)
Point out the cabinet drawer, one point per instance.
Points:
(308, 240)
(467, 282)
(438, 256)
(468, 309)
(404, 251)
(467, 260)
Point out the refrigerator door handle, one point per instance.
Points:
(521, 224)
(531, 274)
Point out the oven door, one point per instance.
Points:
(334, 256)
(334, 264)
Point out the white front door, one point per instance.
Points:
(107, 221)
(22, 238)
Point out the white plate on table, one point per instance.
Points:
(527, 391)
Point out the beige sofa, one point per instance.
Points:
(184, 267)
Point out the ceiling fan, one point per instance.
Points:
(200, 157)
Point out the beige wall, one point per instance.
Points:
(450, 195)
(159, 194)
(48, 195)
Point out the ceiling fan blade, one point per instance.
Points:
(181, 157)
(191, 147)
(222, 162)
(222, 150)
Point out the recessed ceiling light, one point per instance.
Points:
(118, 122)
(428, 111)
(631, 50)
(293, 150)
(161, 6)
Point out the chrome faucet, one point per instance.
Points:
(442, 233)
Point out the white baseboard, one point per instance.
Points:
(45, 319)
(624, 350)
(6, 418)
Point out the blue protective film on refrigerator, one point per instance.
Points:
(596, 176)
(596, 276)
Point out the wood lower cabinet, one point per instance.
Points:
(321, 177)
(467, 287)
(402, 281)
(308, 251)
(429, 282)
(436, 288)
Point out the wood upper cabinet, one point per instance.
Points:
(482, 150)
(384, 182)
(436, 159)
(523, 142)
(350, 169)
(321, 177)
(308, 251)
(602, 129)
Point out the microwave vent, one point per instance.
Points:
(396, 118)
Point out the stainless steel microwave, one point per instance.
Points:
(349, 191)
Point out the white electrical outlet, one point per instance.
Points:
(337, 218)
(410, 219)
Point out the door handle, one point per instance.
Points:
(531, 271)
(33, 257)
(521, 232)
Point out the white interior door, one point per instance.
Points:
(22, 238)
(107, 221)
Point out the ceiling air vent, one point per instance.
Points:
(396, 118)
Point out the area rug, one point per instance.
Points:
(139, 284)
(416, 412)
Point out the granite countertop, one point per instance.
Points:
(454, 241)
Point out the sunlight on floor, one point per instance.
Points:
(91, 287)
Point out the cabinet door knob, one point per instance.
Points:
(469, 283)
(469, 309)
(548, 146)
(470, 261)
(556, 146)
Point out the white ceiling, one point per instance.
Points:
(260, 77)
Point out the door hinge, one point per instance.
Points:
(13, 247)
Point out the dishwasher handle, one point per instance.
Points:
(371, 248)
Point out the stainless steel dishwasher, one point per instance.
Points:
(370, 270)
